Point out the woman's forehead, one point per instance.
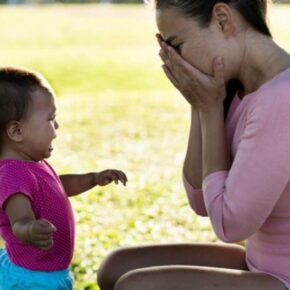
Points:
(172, 24)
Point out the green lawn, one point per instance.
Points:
(116, 110)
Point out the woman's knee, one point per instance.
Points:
(109, 270)
(132, 280)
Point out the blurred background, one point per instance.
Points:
(116, 109)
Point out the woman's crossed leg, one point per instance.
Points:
(181, 266)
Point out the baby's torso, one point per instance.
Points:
(49, 202)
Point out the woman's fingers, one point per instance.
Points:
(176, 64)
(161, 42)
(163, 55)
(198, 88)
(159, 38)
(180, 67)
(170, 76)
(218, 70)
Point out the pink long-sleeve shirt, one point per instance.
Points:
(251, 201)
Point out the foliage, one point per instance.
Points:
(116, 110)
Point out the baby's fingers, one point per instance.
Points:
(117, 176)
(42, 237)
(110, 176)
(122, 177)
(44, 245)
(42, 227)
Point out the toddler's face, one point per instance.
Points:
(40, 126)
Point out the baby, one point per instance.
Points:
(36, 217)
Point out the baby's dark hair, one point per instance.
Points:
(253, 11)
(16, 87)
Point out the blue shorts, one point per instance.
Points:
(13, 277)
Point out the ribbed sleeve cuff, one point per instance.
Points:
(213, 184)
(195, 198)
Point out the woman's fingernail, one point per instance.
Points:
(220, 60)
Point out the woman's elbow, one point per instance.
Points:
(230, 235)
(199, 211)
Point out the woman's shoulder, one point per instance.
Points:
(277, 87)
(273, 96)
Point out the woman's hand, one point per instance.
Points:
(202, 91)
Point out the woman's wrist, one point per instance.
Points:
(214, 111)
(215, 149)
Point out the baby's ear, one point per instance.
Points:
(14, 131)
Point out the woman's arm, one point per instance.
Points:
(215, 153)
(192, 167)
(239, 197)
(206, 95)
(240, 200)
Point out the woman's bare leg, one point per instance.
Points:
(195, 278)
(123, 260)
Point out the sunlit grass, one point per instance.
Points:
(116, 110)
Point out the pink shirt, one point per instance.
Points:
(39, 182)
(251, 201)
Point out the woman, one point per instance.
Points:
(239, 154)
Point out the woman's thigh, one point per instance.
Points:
(123, 260)
(195, 278)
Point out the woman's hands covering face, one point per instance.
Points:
(202, 91)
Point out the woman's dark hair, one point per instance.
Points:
(16, 87)
(253, 11)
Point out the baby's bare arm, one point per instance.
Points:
(24, 224)
(75, 184)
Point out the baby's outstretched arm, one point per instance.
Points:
(77, 183)
(25, 227)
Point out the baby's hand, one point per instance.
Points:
(107, 176)
(40, 234)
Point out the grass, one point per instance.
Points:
(116, 110)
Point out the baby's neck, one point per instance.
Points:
(7, 153)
